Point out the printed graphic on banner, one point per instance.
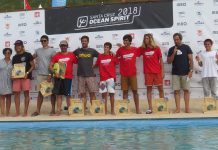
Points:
(109, 17)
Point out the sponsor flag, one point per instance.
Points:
(27, 5)
(59, 3)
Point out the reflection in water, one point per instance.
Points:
(116, 137)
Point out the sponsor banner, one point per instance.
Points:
(109, 17)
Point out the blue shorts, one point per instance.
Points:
(62, 87)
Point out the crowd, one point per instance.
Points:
(180, 56)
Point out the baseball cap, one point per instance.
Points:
(18, 42)
(64, 42)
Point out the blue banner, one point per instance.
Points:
(59, 3)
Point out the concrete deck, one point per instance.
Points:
(195, 105)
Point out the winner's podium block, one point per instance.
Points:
(18, 71)
(161, 106)
(97, 108)
(209, 105)
(76, 108)
(46, 88)
(122, 107)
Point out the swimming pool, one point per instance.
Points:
(179, 134)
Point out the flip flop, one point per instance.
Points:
(35, 114)
(148, 111)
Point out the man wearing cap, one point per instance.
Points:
(63, 86)
(22, 84)
(85, 72)
(43, 57)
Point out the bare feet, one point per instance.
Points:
(58, 113)
(112, 113)
(187, 111)
(25, 115)
(177, 111)
(52, 113)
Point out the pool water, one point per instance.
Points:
(176, 134)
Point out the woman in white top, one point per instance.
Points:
(208, 60)
(5, 81)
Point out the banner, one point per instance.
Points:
(59, 3)
(196, 20)
(109, 17)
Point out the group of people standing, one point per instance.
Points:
(180, 55)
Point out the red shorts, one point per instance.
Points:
(21, 85)
(153, 79)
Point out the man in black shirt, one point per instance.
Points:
(85, 72)
(22, 84)
(181, 58)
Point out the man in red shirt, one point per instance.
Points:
(127, 57)
(107, 69)
(63, 86)
(153, 67)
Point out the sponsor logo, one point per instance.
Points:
(122, 16)
(214, 12)
(199, 32)
(7, 43)
(186, 42)
(37, 32)
(22, 24)
(183, 32)
(165, 43)
(99, 37)
(52, 40)
(7, 34)
(198, 3)
(181, 14)
(184, 23)
(215, 32)
(200, 42)
(167, 82)
(22, 15)
(7, 17)
(165, 33)
(199, 22)
(36, 41)
(180, 4)
(100, 46)
(37, 22)
(198, 13)
(115, 36)
(36, 14)
(215, 22)
(22, 33)
(7, 26)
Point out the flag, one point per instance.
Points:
(27, 5)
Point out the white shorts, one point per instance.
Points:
(107, 86)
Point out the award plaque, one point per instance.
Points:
(122, 107)
(46, 88)
(97, 108)
(18, 71)
(76, 108)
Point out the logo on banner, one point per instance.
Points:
(22, 15)
(36, 14)
(121, 17)
(22, 33)
(52, 40)
(7, 44)
(37, 41)
(7, 26)
(99, 46)
(198, 3)
(184, 23)
(7, 35)
(7, 17)
(214, 12)
(180, 4)
(167, 82)
(165, 34)
(22, 24)
(183, 32)
(181, 14)
(200, 42)
(199, 22)
(199, 32)
(99, 37)
(215, 32)
(37, 22)
(215, 22)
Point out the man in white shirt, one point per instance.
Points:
(208, 60)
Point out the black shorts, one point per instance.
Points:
(62, 87)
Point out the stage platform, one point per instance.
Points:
(196, 106)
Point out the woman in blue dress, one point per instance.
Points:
(5, 81)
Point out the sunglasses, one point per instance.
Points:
(43, 41)
(7, 52)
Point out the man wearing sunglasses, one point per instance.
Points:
(43, 57)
